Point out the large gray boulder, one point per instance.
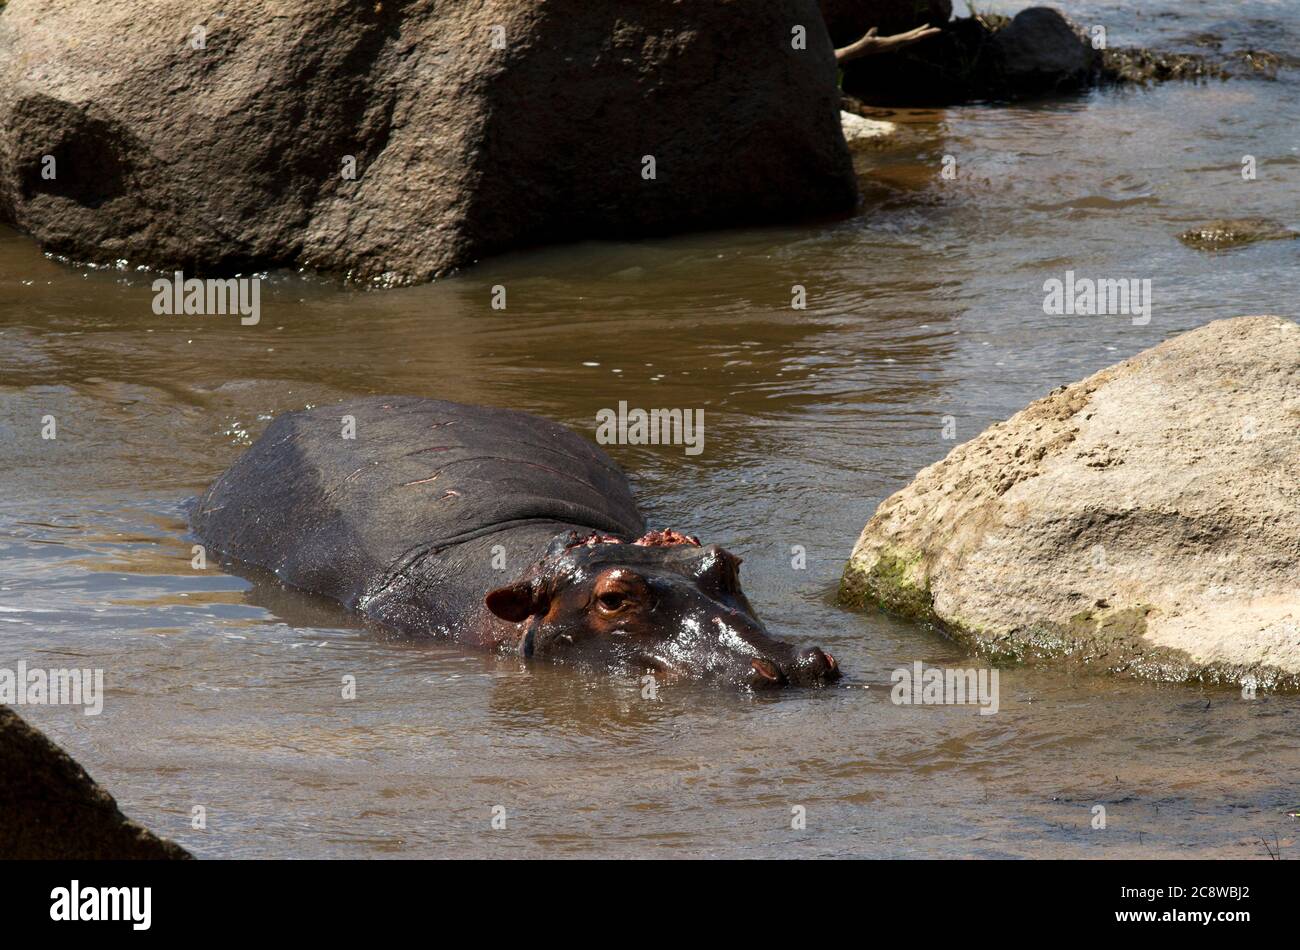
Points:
(51, 809)
(1144, 520)
(475, 127)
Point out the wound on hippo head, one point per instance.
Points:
(662, 602)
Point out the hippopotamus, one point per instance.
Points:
(493, 528)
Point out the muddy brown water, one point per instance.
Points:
(226, 694)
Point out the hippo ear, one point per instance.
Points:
(515, 603)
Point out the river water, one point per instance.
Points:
(225, 695)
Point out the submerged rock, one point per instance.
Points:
(397, 141)
(51, 809)
(1141, 66)
(1144, 520)
(1233, 232)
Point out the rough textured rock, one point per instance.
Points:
(1143, 520)
(848, 20)
(1226, 233)
(51, 809)
(232, 155)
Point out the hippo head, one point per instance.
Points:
(662, 603)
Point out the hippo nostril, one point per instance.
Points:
(815, 658)
(766, 670)
(819, 664)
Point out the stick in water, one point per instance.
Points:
(871, 44)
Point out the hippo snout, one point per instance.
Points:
(814, 666)
(811, 667)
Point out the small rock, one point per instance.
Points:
(863, 133)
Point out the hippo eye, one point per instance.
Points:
(612, 600)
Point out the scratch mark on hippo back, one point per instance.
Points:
(331, 492)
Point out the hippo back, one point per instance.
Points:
(420, 479)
